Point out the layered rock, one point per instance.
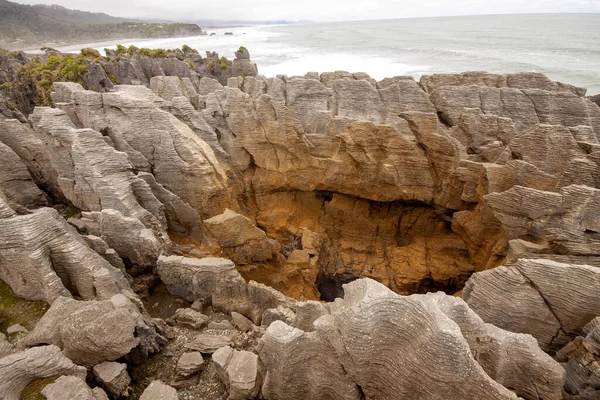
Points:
(375, 343)
(92, 332)
(580, 360)
(242, 242)
(215, 281)
(553, 301)
(19, 369)
(53, 259)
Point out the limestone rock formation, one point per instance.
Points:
(377, 342)
(90, 332)
(242, 242)
(216, 282)
(19, 369)
(53, 259)
(553, 301)
(68, 388)
(113, 377)
(308, 184)
(580, 359)
(157, 390)
(239, 371)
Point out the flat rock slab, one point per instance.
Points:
(208, 344)
(189, 364)
(191, 318)
(68, 388)
(158, 390)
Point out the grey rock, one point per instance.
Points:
(208, 344)
(189, 364)
(189, 317)
(99, 394)
(480, 357)
(6, 347)
(239, 371)
(216, 281)
(53, 259)
(113, 377)
(580, 359)
(220, 326)
(554, 300)
(157, 390)
(241, 322)
(19, 369)
(16, 183)
(16, 328)
(68, 388)
(95, 331)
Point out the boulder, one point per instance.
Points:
(19, 369)
(241, 322)
(241, 240)
(113, 377)
(95, 331)
(68, 388)
(239, 371)
(581, 361)
(16, 328)
(189, 364)
(189, 317)
(216, 282)
(208, 344)
(157, 390)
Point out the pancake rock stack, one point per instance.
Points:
(254, 200)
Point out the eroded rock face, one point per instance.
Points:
(373, 342)
(550, 300)
(216, 282)
(242, 242)
(91, 332)
(19, 369)
(580, 359)
(53, 259)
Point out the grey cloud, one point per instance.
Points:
(319, 10)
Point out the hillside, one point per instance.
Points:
(23, 26)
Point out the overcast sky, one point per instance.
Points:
(318, 10)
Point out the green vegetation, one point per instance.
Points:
(24, 25)
(186, 49)
(32, 391)
(191, 64)
(111, 76)
(154, 53)
(68, 68)
(210, 66)
(223, 62)
(242, 49)
(90, 53)
(16, 310)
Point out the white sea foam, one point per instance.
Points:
(559, 46)
(376, 67)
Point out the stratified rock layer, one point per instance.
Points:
(377, 343)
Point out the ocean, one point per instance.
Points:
(565, 47)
